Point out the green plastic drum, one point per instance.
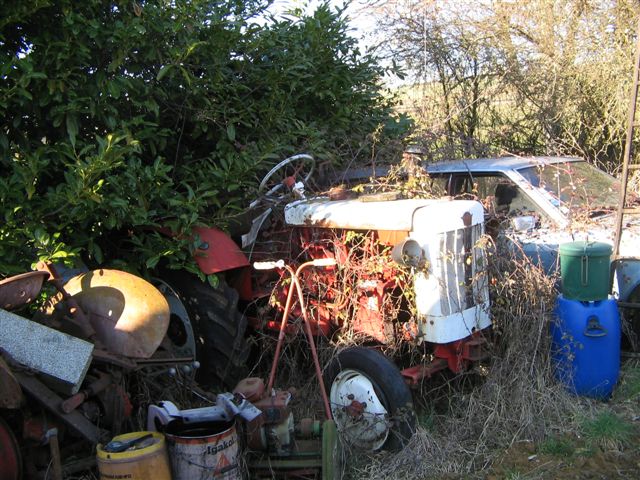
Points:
(585, 269)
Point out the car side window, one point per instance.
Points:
(452, 184)
(499, 194)
(441, 183)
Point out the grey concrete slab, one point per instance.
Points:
(60, 357)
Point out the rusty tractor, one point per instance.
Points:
(394, 272)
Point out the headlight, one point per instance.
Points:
(409, 253)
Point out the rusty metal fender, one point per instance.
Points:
(130, 315)
(20, 289)
(10, 391)
(218, 252)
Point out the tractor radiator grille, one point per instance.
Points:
(462, 270)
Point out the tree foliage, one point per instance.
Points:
(534, 77)
(119, 118)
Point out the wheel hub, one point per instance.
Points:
(358, 410)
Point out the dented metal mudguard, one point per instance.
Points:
(130, 316)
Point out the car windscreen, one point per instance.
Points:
(574, 185)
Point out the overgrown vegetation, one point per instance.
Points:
(536, 77)
(512, 419)
(120, 117)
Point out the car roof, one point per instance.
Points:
(498, 164)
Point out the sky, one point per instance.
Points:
(362, 23)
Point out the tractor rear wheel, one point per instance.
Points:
(219, 330)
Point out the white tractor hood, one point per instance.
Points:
(395, 215)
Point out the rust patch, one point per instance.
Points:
(10, 393)
(392, 237)
(20, 289)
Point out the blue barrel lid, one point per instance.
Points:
(580, 248)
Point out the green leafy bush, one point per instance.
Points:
(119, 118)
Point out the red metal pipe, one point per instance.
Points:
(281, 334)
(295, 282)
(312, 344)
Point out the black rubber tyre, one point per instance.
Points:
(390, 390)
(219, 329)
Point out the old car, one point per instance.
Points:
(542, 202)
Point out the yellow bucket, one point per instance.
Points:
(144, 463)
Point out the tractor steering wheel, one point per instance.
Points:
(289, 170)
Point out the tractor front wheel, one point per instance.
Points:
(370, 401)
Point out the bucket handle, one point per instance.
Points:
(584, 270)
(594, 328)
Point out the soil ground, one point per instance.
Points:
(605, 446)
(580, 461)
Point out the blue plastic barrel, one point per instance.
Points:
(586, 346)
